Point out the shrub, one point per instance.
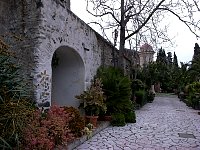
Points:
(47, 130)
(76, 124)
(194, 95)
(140, 97)
(118, 119)
(13, 118)
(117, 89)
(93, 100)
(15, 103)
(150, 96)
(130, 117)
(137, 85)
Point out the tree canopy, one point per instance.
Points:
(175, 60)
(194, 70)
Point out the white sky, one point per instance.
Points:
(184, 39)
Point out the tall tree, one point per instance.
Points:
(195, 64)
(162, 68)
(135, 18)
(175, 73)
(175, 60)
(196, 50)
(169, 58)
(183, 78)
(161, 56)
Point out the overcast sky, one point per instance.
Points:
(184, 39)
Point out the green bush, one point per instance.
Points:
(118, 119)
(150, 96)
(194, 100)
(130, 117)
(140, 97)
(194, 95)
(137, 85)
(117, 89)
(138, 92)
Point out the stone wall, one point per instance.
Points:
(63, 3)
(42, 27)
(107, 50)
(4, 6)
(60, 27)
(19, 27)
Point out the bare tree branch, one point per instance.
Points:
(148, 18)
(102, 28)
(103, 14)
(142, 21)
(184, 21)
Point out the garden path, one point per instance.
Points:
(165, 124)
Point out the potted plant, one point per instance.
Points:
(92, 101)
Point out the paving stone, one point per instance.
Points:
(186, 135)
(127, 148)
(157, 128)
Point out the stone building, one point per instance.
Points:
(146, 54)
(59, 53)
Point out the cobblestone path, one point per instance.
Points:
(165, 124)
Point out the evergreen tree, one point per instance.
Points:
(196, 50)
(161, 56)
(163, 76)
(159, 53)
(175, 60)
(195, 64)
(169, 58)
(164, 71)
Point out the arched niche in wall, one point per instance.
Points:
(68, 76)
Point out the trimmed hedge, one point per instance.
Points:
(130, 117)
(118, 119)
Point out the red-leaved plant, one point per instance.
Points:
(47, 130)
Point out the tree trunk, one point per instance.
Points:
(122, 39)
(121, 49)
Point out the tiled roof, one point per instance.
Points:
(146, 47)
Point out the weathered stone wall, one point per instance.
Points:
(63, 3)
(4, 6)
(19, 26)
(44, 27)
(60, 27)
(106, 49)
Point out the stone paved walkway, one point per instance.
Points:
(158, 127)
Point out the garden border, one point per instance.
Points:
(70, 146)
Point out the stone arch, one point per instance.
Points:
(68, 76)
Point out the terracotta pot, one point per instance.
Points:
(105, 118)
(92, 120)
